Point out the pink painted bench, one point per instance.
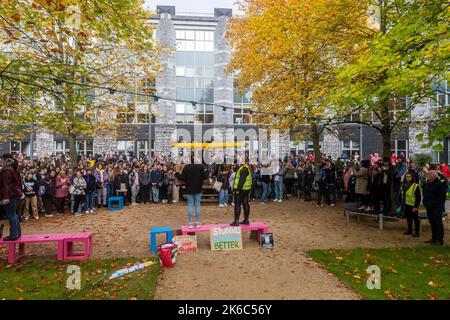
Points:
(64, 241)
(258, 226)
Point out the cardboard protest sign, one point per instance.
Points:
(228, 238)
(266, 240)
(185, 243)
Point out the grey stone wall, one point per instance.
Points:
(45, 144)
(166, 83)
(105, 145)
(331, 145)
(420, 112)
(165, 135)
(223, 83)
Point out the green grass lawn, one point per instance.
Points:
(41, 279)
(406, 273)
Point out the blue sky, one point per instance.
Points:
(193, 6)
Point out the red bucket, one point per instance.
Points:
(167, 254)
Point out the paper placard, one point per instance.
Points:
(228, 238)
(185, 243)
(266, 240)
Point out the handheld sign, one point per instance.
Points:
(228, 238)
(185, 243)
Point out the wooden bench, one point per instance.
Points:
(351, 209)
(65, 248)
(258, 226)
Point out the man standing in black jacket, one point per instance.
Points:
(193, 175)
(434, 194)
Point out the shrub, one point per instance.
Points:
(421, 158)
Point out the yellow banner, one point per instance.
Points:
(204, 145)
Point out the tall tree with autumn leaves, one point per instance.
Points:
(316, 62)
(283, 52)
(401, 65)
(56, 55)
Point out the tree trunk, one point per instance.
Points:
(73, 151)
(386, 129)
(317, 155)
(386, 133)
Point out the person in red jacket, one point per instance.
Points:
(445, 170)
(10, 193)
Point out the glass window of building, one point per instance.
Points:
(126, 146)
(19, 147)
(85, 147)
(399, 147)
(241, 106)
(62, 146)
(195, 82)
(350, 147)
(195, 40)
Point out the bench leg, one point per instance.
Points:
(60, 250)
(21, 249)
(11, 253)
(347, 217)
(381, 221)
(152, 243)
(169, 236)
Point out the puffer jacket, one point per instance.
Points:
(362, 181)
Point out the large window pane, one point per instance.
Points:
(181, 94)
(190, 94)
(190, 35)
(185, 58)
(190, 83)
(180, 34)
(209, 118)
(199, 46)
(181, 82)
(190, 72)
(209, 46)
(180, 107)
(15, 146)
(181, 71)
(209, 36)
(209, 72)
(200, 35)
(209, 83)
(209, 95)
(401, 145)
(204, 59)
(199, 71)
(190, 45)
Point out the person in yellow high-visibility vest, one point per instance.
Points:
(411, 197)
(242, 186)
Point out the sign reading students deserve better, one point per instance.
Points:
(228, 238)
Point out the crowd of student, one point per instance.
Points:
(52, 186)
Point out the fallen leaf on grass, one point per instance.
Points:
(392, 270)
(19, 289)
(339, 258)
(432, 296)
(432, 284)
